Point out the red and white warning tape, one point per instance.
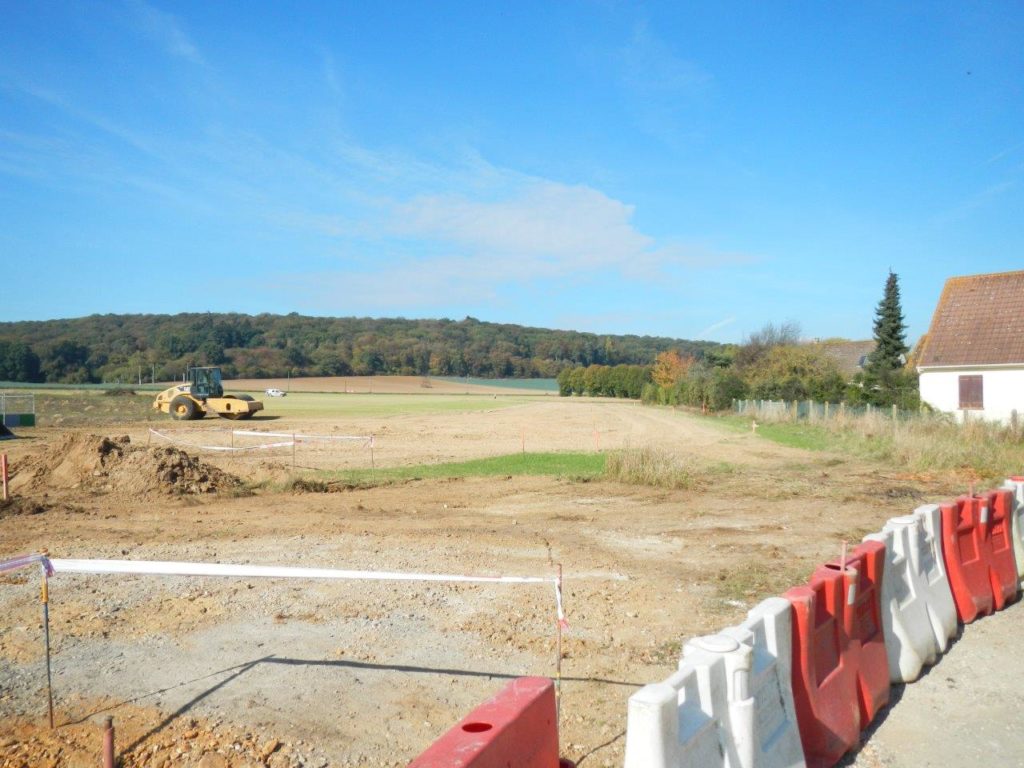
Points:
(171, 568)
(225, 448)
(307, 438)
(368, 441)
(23, 561)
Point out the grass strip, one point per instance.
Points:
(984, 450)
(577, 466)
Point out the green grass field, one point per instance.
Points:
(539, 385)
(331, 404)
(71, 407)
(577, 466)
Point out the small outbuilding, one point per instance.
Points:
(972, 360)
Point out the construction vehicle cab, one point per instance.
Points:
(206, 382)
(203, 392)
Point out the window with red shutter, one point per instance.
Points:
(971, 393)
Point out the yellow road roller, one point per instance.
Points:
(202, 393)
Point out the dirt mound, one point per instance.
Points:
(107, 464)
(19, 505)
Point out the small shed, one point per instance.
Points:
(972, 360)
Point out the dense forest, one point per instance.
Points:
(125, 348)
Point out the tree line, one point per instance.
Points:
(123, 348)
(770, 364)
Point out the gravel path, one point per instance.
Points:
(967, 710)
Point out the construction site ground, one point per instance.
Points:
(247, 672)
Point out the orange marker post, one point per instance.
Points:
(108, 743)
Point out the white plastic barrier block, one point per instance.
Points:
(918, 613)
(671, 724)
(729, 705)
(1017, 522)
(768, 631)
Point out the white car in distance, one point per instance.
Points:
(275, 393)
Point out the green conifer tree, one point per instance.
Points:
(889, 355)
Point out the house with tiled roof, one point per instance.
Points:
(849, 356)
(972, 360)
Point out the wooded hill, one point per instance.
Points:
(116, 348)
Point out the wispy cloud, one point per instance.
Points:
(391, 231)
(706, 332)
(977, 201)
(164, 29)
(1005, 153)
(551, 226)
(541, 228)
(479, 232)
(649, 66)
(100, 122)
(662, 86)
(330, 70)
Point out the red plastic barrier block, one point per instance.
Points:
(516, 729)
(840, 667)
(978, 551)
(1005, 584)
(863, 625)
(824, 679)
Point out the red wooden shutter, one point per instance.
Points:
(971, 393)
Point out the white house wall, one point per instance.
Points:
(1002, 391)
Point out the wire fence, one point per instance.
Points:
(811, 410)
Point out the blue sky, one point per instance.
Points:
(677, 169)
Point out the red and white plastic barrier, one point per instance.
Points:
(863, 625)
(824, 678)
(840, 671)
(517, 728)
(918, 615)
(978, 552)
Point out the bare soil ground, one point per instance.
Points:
(246, 672)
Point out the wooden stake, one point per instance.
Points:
(3, 472)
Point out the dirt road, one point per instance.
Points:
(357, 673)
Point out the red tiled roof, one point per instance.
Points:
(847, 354)
(979, 321)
